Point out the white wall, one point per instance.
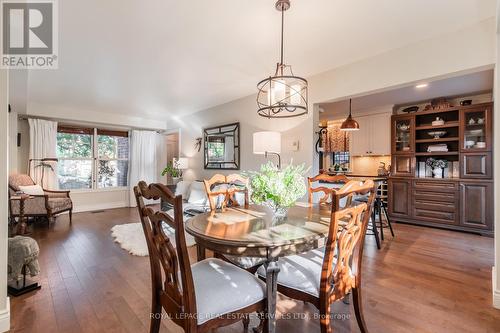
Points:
(389, 70)
(242, 111)
(496, 131)
(4, 169)
(13, 142)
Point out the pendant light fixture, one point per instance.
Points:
(283, 95)
(349, 124)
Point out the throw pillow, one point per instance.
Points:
(32, 189)
(182, 188)
(198, 195)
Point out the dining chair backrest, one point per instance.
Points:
(338, 278)
(171, 276)
(238, 185)
(213, 193)
(327, 191)
(223, 190)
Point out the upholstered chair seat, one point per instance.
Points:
(231, 287)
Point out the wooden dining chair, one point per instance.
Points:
(216, 189)
(328, 274)
(222, 191)
(229, 187)
(327, 191)
(200, 297)
(238, 185)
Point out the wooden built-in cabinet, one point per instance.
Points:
(476, 205)
(399, 195)
(463, 202)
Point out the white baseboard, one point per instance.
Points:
(5, 317)
(101, 206)
(496, 291)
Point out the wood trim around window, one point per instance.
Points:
(90, 131)
(112, 133)
(75, 130)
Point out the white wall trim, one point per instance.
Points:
(100, 206)
(5, 317)
(496, 291)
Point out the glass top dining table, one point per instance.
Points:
(254, 232)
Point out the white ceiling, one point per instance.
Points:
(455, 86)
(158, 58)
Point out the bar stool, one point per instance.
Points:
(372, 224)
(380, 206)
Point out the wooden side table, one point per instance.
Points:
(21, 225)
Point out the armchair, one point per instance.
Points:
(50, 204)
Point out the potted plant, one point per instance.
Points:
(172, 169)
(277, 188)
(437, 166)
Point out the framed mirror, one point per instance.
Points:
(222, 147)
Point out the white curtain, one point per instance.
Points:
(143, 159)
(43, 141)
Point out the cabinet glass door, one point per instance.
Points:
(475, 133)
(403, 135)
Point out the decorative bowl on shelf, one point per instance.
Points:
(411, 109)
(476, 132)
(469, 144)
(437, 134)
(438, 122)
(481, 144)
(466, 102)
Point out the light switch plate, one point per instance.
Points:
(294, 145)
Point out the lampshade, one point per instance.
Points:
(349, 124)
(266, 141)
(182, 163)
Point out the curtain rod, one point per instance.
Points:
(92, 124)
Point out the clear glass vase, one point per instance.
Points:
(279, 212)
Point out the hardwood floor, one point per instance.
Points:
(424, 280)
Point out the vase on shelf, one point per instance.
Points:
(437, 172)
(175, 180)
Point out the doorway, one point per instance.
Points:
(172, 146)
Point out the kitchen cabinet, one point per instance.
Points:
(399, 197)
(373, 137)
(477, 205)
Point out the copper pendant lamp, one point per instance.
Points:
(350, 124)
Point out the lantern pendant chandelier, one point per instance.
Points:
(283, 95)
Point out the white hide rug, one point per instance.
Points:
(131, 237)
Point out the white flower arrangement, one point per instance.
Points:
(436, 163)
(279, 189)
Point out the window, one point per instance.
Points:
(341, 159)
(92, 158)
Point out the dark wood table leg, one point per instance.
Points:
(21, 225)
(200, 252)
(272, 270)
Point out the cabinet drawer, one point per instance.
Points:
(431, 205)
(436, 186)
(435, 216)
(430, 196)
